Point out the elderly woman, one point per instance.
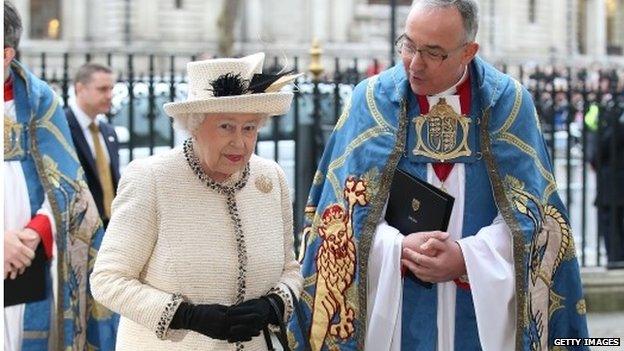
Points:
(198, 254)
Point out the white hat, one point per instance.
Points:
(204, 96)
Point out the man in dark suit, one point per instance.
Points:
(609, 165)
(94, 138)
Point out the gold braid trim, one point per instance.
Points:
(368, 231)
(344, 116)
(56, 212)
(340, 161)
(506, 210)
(514, 110)
(46, 123)
(517, 142)
(372, 105)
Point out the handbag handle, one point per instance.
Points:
(267, 338)
(281, 335)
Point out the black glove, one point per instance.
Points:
(210, 320)
(247, 319)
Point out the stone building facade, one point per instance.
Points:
(510, 30)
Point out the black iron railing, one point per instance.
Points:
(566, 100)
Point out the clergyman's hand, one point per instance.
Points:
(415, 242)
(29, 238)
(447, 264)
(17, 255)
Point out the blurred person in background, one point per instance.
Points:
(607, 160)
(95, 139)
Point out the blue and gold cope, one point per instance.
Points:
(507, 170)
(41, 141)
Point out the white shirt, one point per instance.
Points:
(85, 121)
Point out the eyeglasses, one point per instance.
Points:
(407, 48)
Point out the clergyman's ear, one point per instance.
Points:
(9, 55)
(470, 52)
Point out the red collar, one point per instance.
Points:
(442, 170)
(8, 89)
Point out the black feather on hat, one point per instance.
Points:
(231, 84)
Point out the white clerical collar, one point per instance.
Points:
(453, 90)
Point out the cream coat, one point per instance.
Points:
(169, 233)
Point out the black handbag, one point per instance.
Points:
(281, 335)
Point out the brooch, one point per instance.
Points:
(264, 184)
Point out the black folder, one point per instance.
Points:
(29, 286)
(417, 206)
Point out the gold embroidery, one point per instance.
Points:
(308, 214)
(551, 239)
(437, 133)
(514, 110)
(514, 140)
(581, 307)
(344, 116)
(98, 311)
(382, 128)
(372, 219)
(292, 340)
(415, 205)
(556, 303)
(506, 209)
(358, 298)
(12, 139)
(336, 262)
(504, 135)
(318, 178)
(46, 123)
(372, 106)
(264, 184)
(340, 161)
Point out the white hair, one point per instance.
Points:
(190, 122)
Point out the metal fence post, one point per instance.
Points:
(151, 100)
(131, 106)
(43, 66)
(300, 194)
(65, 83)
(316, 68)
(172, 95)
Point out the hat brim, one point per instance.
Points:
(271, 104)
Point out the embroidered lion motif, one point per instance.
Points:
(335, 261)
